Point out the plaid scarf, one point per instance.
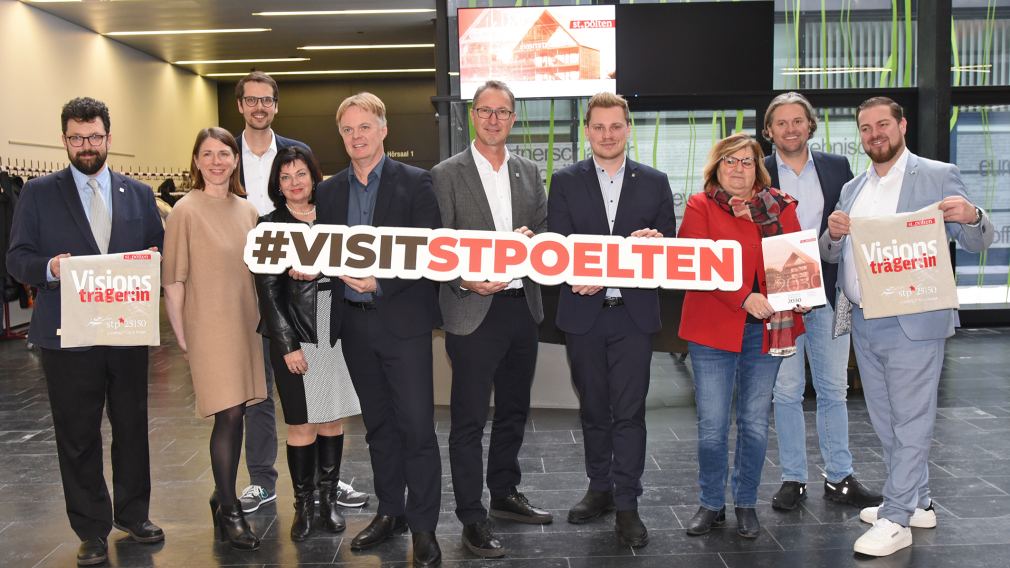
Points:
(763, 209)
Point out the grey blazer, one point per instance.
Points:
(463, 204)
(925, 182)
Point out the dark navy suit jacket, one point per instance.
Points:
(407, 308)
(50, 220)
(833, 172)
(575, 206)
(282, 143)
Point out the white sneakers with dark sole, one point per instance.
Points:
(883, 539)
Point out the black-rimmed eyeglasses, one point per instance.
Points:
(78, 141)
(501, 113)
(267, 102)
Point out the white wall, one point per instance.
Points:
(156, 108)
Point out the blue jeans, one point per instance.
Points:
(716, 374)
(829, 359)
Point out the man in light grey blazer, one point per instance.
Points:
(899, 357)
(491, 327)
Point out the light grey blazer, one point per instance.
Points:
(463, 204)
(925, 182)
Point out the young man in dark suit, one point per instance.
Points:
(608, 332)
(815, 179)
(257, 96)
(491, 327)
(384, 326)
(87, 209)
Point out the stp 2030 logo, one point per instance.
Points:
(115, 323)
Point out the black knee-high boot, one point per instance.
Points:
(330, 450)
(302, 465)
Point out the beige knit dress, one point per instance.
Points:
(204, 240)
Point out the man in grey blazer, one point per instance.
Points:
(491, 327)
(899, 357)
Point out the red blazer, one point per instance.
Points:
(716, 319)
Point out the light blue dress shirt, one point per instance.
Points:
(611, 188)
(806, 188)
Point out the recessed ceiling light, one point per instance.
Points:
(374, 46)
(328, 72)
(346, 12)
(212, 61)
(182, 32)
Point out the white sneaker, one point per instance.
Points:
(921, 518)
(883, 539)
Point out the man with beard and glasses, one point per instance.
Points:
(899, 357)
(257, 96)
(87, 209)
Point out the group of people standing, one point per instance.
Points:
(335, 347)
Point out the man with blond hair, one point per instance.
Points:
(384, 325)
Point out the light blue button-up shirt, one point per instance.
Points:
(611, 188)
(806, 188)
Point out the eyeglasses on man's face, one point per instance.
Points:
(501, 113)
(731, 162)
(267, 102)
(78, 141)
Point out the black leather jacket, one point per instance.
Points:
(287, 306)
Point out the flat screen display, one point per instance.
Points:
(694, 48)
(540, 52)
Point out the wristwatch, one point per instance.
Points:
(978, 218)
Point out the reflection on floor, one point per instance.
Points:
(970, 479)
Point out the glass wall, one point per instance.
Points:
(980, 43)
(979, 144)
(828, 44)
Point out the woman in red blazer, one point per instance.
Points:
(735, 339)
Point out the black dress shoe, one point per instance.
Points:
(478, 539)
(747, 524)
(851, 492)
(144, 531)
(704, 520)
(789, 495)
(92, 552)
(426, 550)
(515, 507)
(631, 530)
(381, 528)
(594, 504)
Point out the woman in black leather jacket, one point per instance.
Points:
(311, 376)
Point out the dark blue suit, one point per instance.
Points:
(833, 172)
(610, 349)
(50, 220)
(387, 346)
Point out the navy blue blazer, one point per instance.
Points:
(833, 172)
(282, 143)
(50, 220)
(575, 206)
(407, 308)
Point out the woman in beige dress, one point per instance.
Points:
(210, 298)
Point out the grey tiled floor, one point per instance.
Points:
(970, 472)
